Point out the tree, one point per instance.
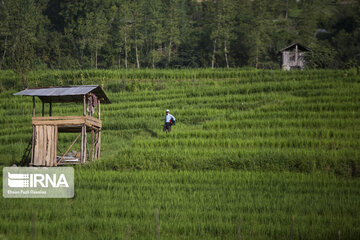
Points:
(172, 33)
(4, 31)
(129, 22)
(154, 31)
(227, 21)
(259, 36)
(171, 26)
(97, 29)
(137, 12)
(24, 22)
(223, 28)
(126, 25)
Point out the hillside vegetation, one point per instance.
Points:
(116, 34)
(253, 155)
(226, 119)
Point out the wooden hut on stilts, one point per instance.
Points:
(293, 57)
(44, 144)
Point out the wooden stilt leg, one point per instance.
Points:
(56, 144)
(34, 115)
(92, 145)
(82, 145)
(84, 105)
(99, 144)
(96, 144)
(85, 142)
(33, 146)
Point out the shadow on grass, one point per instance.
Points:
(151, 132)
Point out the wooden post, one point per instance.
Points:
(50, 108)
(56, 143)
(33, 145)
(33, 106)
(128, 231)
(99, 144)
(33, 227)
(292, 228)
(296, 55)
(283, 60)
(82, 145)
(239, 230)
(85, 143)
(99, 109)
(88, 156)
(48, 144)
(157, 220)
(84, 105)
(42, 110)
(96, 144)
(39, 157)
(92, 145)
(99, 132)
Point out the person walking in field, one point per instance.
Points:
(169, 120)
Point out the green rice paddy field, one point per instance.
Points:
(253, 155)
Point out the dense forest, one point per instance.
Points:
(84, 34)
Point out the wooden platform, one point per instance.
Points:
(69, 123)
(45, 139)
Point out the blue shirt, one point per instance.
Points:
(168, 117)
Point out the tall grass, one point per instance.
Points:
(298, 132)
(196, 205)
(242, 119)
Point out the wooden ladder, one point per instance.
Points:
(25, 160)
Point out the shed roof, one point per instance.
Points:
(300, 47)
(64, 94)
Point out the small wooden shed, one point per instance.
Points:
(44, 144)
(293, 57)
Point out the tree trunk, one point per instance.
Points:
(286, 15)
(126, 63)
(226, 57)
(257, 57)
(82, 50)
(119, 62)
(24, 80)
(153, 59)
(137, 56)
(4, 53)
(96, 54)
(213, 56)
(169, 58)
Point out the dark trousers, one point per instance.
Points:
(167, 127)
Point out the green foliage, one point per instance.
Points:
(21, 29)
(322, 56)
(116, 34)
